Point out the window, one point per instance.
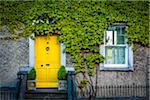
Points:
(117, 52)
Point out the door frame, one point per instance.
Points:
(32, 56)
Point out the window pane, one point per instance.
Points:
(120, 35)
(109, 37)
(120, 55)
(120, 39)
(115, 55)
(109, 55)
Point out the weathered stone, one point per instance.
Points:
(13, 54)
(137, 76)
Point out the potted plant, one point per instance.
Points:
(31, 82)
(62, 76)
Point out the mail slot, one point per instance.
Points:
(47, 65)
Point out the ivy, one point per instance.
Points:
(81, 25)
(83, 83)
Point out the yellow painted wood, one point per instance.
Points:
(47, 61)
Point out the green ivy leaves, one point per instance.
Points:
(81, 24)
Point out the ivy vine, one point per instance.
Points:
(80, 24)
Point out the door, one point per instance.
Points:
(47, 61)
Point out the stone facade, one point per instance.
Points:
(137, 76)
(13, 54)
(123, 83)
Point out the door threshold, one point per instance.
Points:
(47, 90)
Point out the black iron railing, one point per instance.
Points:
(8, 93)
(22, 85)
(71, 86)
(121, 91)
(15, 93)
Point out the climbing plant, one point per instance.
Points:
(80, 24)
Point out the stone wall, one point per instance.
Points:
(148, 63)
(124, 80)
(13, 54)
(137, 76)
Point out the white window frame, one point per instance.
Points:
(128, 57)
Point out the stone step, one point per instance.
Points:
(53, 90)
(46, 98)
(46, 94)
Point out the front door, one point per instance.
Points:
(47, 61)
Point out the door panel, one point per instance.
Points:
(47, 61)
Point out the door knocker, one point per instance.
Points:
(47, 48)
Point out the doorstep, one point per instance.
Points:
(46, 90)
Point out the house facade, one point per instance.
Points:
(125, 65)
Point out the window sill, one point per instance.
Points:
(116, 69)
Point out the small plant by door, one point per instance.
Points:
(62, 76)
(31, 82)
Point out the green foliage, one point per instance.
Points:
(74, 19)
(9, 38)
(62, 73)
(81, 24)
(91, 60)
(32, 74)
(83, 83)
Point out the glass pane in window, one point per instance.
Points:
(120, 39)
(119, 55)
(109, 37)
(115, 55)
(120, 35)
(109, 55)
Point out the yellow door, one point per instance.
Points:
(47, 61)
